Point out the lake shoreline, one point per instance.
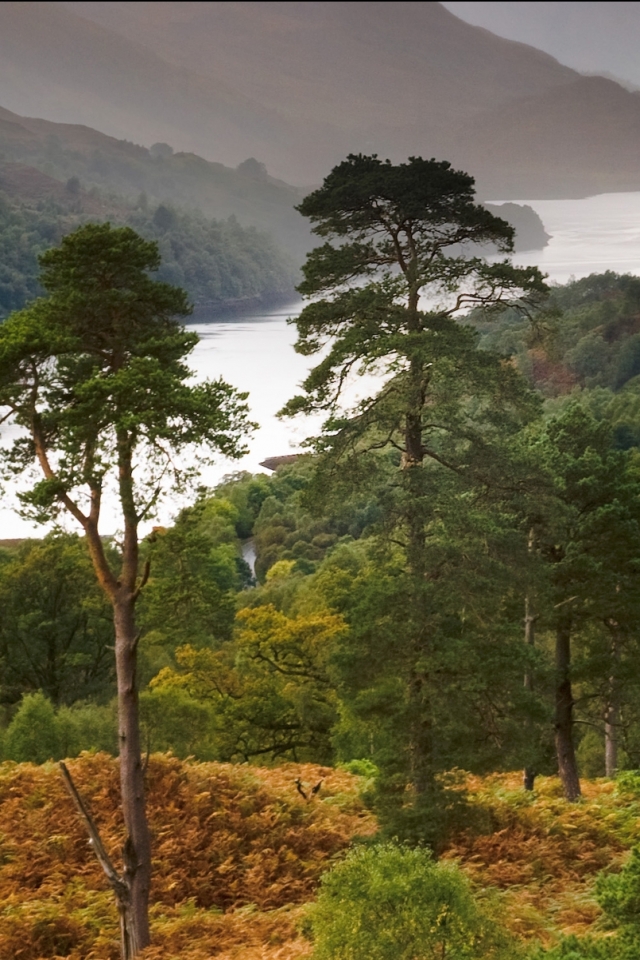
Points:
(240, 307)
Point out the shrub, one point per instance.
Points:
(39, 733)
(389, 902)
(33, 732)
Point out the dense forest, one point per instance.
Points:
(218, 262)
(443, 590)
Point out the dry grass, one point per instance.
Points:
(238, 853)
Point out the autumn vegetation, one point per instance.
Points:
(238, 854)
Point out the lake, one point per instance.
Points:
(255, 352)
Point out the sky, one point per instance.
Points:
(590, 37)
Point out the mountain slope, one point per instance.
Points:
(590, 37)
(57, 64)
(578, 139)
(66, 150)
(340, 63)
(301, 84)
(63, 151)
(220, 264)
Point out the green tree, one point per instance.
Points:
(33, 733)
(55, 623)
(38, 732)
(94, 374)
(196, 573)
(588, 534)
(403, 259)
(391, 903)
(477, 657)
(271, 689)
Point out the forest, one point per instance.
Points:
(218, 262)
(444, 592)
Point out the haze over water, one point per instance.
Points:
(587, 236)
(255, 353)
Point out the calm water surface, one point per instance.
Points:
(255, 353)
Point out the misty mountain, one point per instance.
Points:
(38, 158)
(118, 166)
(591, 37)
(301, 84)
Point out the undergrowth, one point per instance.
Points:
(238, 853)
(544, 853)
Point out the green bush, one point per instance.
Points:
(389, 902)
(33, 733)
(39, 733)
(172, 720)
(573, 948)
(87, 726)
(619, 896)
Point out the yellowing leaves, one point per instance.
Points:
(543, 851)
(270, 688)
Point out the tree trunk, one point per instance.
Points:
(612, 719)
(421, 735)
(567, 766)
(119, 886)
(137, 849)
(612, 715)
(421, 710)
(529, 773)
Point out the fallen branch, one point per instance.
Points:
(118, 883)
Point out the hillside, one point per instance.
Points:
(221, 264)
(542, 852)
(587, 338)
(40, 157)
(238, 853)
(62, 151)
(299, 85)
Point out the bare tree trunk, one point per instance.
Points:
(529, 773)
(612, 715)
(567, 766)
(137, 850)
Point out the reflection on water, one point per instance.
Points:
(255, 353)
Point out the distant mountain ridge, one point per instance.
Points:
(300, 84)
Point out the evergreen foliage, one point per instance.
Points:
(55, 626)
(585, 336)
